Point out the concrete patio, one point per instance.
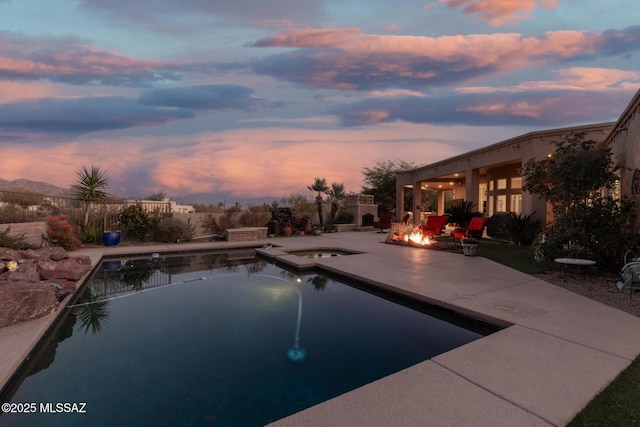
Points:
(557, 352)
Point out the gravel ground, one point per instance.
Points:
(601, 288)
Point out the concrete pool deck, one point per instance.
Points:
(559, 350)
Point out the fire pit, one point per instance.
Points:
(414, 237)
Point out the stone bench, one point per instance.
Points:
(246, 234)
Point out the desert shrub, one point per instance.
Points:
(344, 217)
(24, 199)
(90, 234)
(137, 223)
(587, 221)
(216, 223)
(173, 230)
(255, 216)
(14, 213)
(299, 205)
(18, 242)
(62, 233)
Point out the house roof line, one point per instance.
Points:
(626, 115)
(510, 141)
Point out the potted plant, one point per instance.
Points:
(111, 238)
(469, 246)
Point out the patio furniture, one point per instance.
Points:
(384, 223)
(434, 225)
(577, 262)
(474, 229)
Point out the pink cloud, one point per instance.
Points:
(69, 61)
(273, 162)
(16, 91)
(572, 79)
(350, 60)
(498, 12)
(311, 37)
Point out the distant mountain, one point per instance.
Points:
(190, 199)
(229, 200)
(34, 186)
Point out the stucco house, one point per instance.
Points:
(490, 176)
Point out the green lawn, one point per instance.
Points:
(517, 257)
(618, 404)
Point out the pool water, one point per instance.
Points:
(320, 253)
(207, 339)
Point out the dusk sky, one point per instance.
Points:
(250, 98)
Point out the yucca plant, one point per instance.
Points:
(89, 188)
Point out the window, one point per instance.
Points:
(516, 203)
(516, 182)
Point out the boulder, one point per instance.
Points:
(27, 272)
(55, 253)
(23, 294)
(21, 301)
(69, 268)
(10, 254)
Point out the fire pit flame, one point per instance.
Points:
(418, 238)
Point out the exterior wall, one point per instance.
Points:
(624, 141)
(164, 206)
(197, 220)
(32, 231)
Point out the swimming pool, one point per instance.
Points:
(219, 339)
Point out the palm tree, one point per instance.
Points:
(319, 185)
(89, 188)
(336, 193)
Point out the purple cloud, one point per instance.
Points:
(83, 115)
(153, 107)
(152, 12)
(67, 60)
(203, 97)
(499, 109)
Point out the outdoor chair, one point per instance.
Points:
(434, 225)
(384, 223)
(474, 229)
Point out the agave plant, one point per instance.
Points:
(462, 212)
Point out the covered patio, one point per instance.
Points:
(488, 177)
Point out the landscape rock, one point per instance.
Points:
(7, 254)
(27, 272)
(68, 268)
(21, 301)
(55, 253)
(43, 277)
